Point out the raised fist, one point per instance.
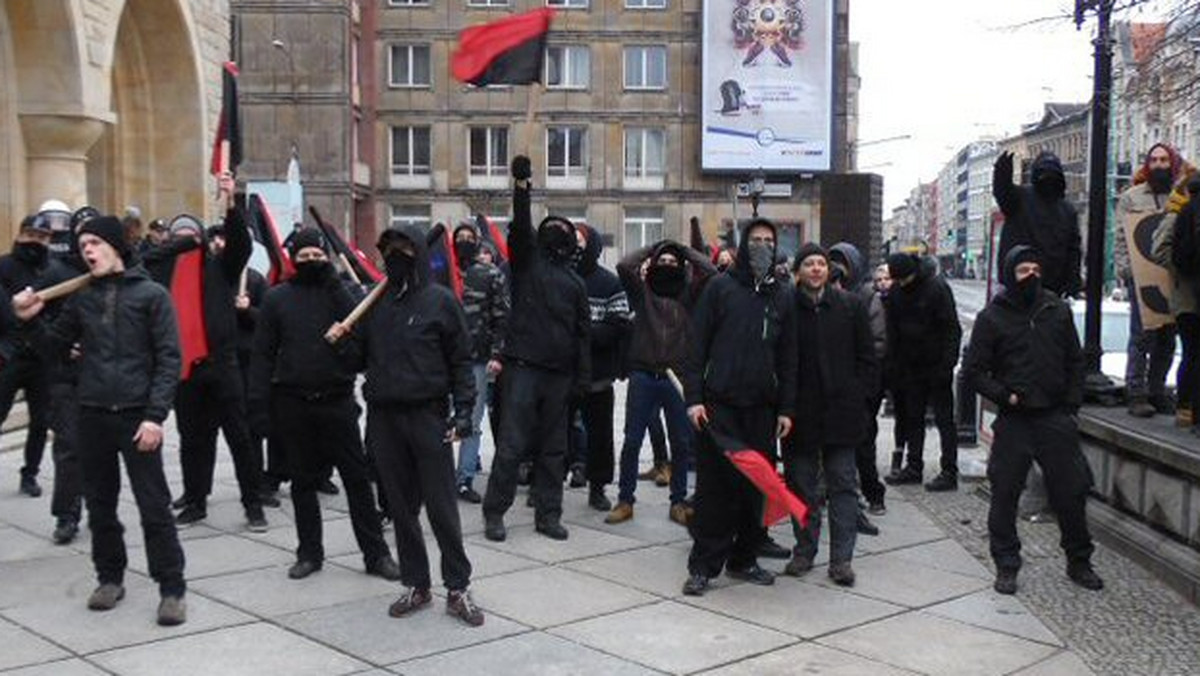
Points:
(1004, 163)
(522, 168)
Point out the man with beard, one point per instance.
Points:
(1025, 358)
(740, 386)
(1141, 212)
(306, 396)
(664, 282)
(1040, 216)
(416, 350)
(547, 362)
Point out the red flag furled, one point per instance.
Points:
(227, 146)
(780, 501)
(262, 227)
(508, 51)
(493, 234)
(364, 269)
(187, 294)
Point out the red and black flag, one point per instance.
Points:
(227, 146)
(443, 261)
(492, 234)
(262, 227)
(364, 269)
(508, 51)
(187, 295)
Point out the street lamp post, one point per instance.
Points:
(282, 46)
(758, 185)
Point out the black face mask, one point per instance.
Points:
(1160, 181)
(559, 244)
(1029, 289)
(666, 280)
(466, 252)
(312, 272)
(1050, 187)
(31, 253)
(399, 267)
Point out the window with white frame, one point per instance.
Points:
(408, 3)
(487, 3)
(488, 151)
(645, 152)
(409, 66)
(568, 67)
(645, 4)
(404, 215)
(646, 67)
(643, 227)
(568, 4)
(410, 151)
(566, 152)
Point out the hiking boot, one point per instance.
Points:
(620, 514)
(412, 600)
(467, 494)
(384, 567)
(680, 513)
(1083, 575)
(493, 528)
(696, 585)
(754, 574)
(798, 566)
(172, 611)
(907, 475)
(864, 525)
(1006, 581)
(524, 473)
(461, 605)
(841, 574)
(327, 487)
(255, 521)
(192, 513)
(303, 568)
(771, 549)
(597, 500)
(1140, 407)
(877, 508)
(650, 474)
(942, 483)
(106, 596)
(553, 530)
(578, 479)
(65, 530)
(663, 478)
(1184, 416)
(29, 486)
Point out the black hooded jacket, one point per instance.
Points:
(16, 275)
(1049, 225)
(923, 332)
(743, 350)
(1028, 350)
(414, 344)
(609, 311)
(549, 323)
(662, 324)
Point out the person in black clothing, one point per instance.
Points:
(303, 393)
(740, 387)
(25, 369)
(416, 350)
(1024, 357)
(837, 373)
(213, 398)
(610, 324)
(546, 362)
(924, 338)
(128, 369)
(1039, 215)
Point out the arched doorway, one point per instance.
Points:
(154, 156)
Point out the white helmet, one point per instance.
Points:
(54, 205)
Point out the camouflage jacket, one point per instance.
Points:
(485, 301)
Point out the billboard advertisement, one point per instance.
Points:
(767, 88)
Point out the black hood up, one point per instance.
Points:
(1017, 255)
(412, 233)
(741, 269)
(590, 259)
(856, 264)
(1047, 165)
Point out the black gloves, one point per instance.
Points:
(1004, 166)
(522, 168)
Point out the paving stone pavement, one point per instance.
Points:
(607, 601)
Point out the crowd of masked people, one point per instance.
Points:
(723, 350)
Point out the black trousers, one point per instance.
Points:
(323, 431)
(106, 438)
(416, 467)
(864, 455)
(67, 501)
(26, 372)
(534, 422)
(918, 395)
(1052, 440)
(1188, 376)
(727, 527)
(805, 471)
(211, 400)
(597, 411)
(658, 441)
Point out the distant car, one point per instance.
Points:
(1114, 338)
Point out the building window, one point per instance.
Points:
(409, 66)
(646, 67)
(568, 67)
(645, 152)
(404, 215)
(489, 151)
(410, 151)
(566, 152)
(643, 227)
(568, 4)
(487, 3)
(408, 3)
(645, 4)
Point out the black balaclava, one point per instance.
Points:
(556, 239)
(666, 280)
(1049, 181)
(1026, 291)
(466, 251)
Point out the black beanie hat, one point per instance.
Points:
(109, 229)
(901, 265)
(806, 250)
(305, 238)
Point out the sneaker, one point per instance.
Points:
(172, 611)
(192, 513)
(578, 479)
(754, 574)
(1006, 581)
(384, 567)
(680, 513)
(255, 521)
(65, 530)
(877, 508)
(942, 483)
(771, 549)
(106, 597)
(663, 478)
(461, 605)
(597, 500)
(327, 487)
(696, 585)
(620, 514)
(302, 569)
(29, 486)
(841, 574)
(864, 525)
(553, 530)
(181, 501)
(907, 475)
(798, 566)
(1140, 407)
(493, 528)
(268, 498)
(412, 600)
(467, 494)
(1085, 577)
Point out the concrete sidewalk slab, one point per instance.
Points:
(21, 648)
(808, 658)
(551, 596)
(552, 656)
(990, 610)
